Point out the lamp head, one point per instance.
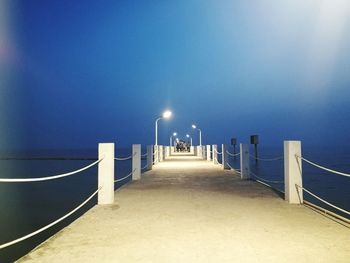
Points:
(174, 134)
(194, 126)
(187, 135)
(167, 114)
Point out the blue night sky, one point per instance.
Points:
(75, 73)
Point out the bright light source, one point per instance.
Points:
(174, 134)
(167, 114)
(194, 126)
(187, 135)
(177, 139)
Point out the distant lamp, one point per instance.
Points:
(166, 115)
(188, 136)
(200, 133)
(171, 138)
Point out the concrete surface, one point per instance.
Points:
(189, 210)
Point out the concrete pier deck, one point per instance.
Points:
(189, 210)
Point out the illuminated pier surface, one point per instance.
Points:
(190, 210)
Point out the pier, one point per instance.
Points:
(187, 208)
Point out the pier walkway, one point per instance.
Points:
(189, 210)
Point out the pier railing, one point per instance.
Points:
(292, 158)
(293, 186)
(106, 179)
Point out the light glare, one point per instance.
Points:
(167, 114)
(194, 126)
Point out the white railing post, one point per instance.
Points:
(215, 154)
(192, 150)
(160, 153)
(208, 153)
(245, 170)
(106, 173)
(199, 151)
(149, 157)
(156, 155)
(136, 161)
(204, 155)
(292, 172)
(224, 157)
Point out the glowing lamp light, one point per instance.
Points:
(167, 114)
(187, 135)
(194, 126)
(174, 134)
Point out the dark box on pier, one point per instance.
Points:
(254, 139)
(233, 141)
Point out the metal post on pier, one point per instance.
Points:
(244, 153)
(208, 153)
(215, 154)
(149, 157)
(292, 172)
(106, 173)
(136, 161)
(224, 157)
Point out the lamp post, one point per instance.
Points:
(166, 115)
(171, 137)
(188, 136)
(200, 134)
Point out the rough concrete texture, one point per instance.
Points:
(189, 210)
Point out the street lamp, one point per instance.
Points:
(188, 136)
(166, 115)
(200, 134)
(170, 141)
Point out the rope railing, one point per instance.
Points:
(47, 158)
(144, 155)
(49, 225)
(38, 179)
(218, 152)
(236, 170)
(322, 200)
(232, 154)
(143, 168)
(266, 159)
(217, 161)
(265, 180)
(121, 179)
(125, 158)
(322, 167)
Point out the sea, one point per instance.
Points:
(26, 207)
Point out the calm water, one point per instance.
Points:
(26, 207)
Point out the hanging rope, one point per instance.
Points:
(321, 167)
(265, 180)
(231, 154)
(144, 155)
(121, 179)
(236, 170)
(143, 168)
(26, 180)
(123, 158)
(266, 159)
(322, 200)
(49, 225)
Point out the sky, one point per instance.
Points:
(76, 73)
